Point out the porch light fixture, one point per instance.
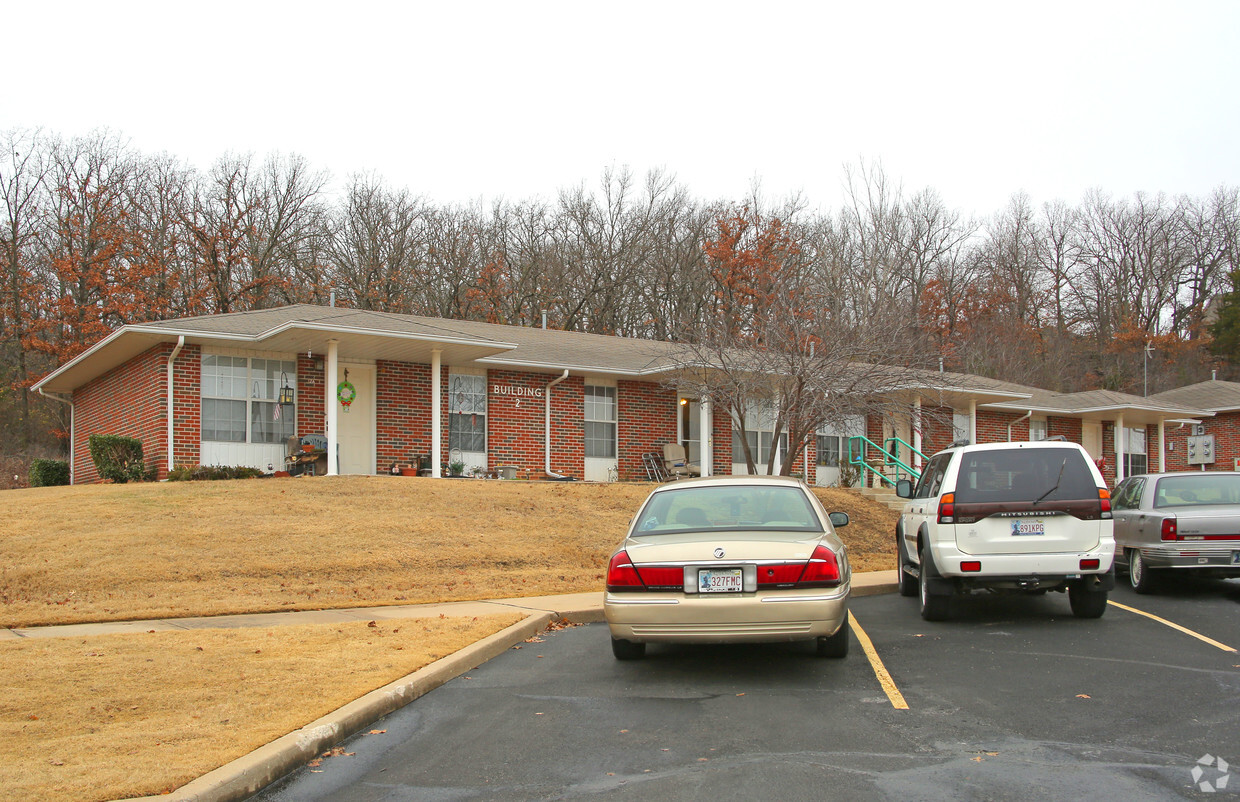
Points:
(286, 392)
(684, 402)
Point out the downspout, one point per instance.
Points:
(1026, 416)
(171, 431)
(547, 429)
(72, 432)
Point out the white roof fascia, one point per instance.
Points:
(82, 357)
(559, 366)
(172, 333)
(1006, 407)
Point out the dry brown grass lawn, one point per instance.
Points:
(117, 716)
(117, 552)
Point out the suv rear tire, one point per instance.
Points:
(933, 608)
(1086, 602)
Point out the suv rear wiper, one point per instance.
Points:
(1055, 486)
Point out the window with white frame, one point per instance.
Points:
(240, 399)
(1135, 458)
(759, 421)
(1037, 429)
(600, 421)
(828, 451)
(467, 412)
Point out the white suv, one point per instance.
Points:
(1008, 518)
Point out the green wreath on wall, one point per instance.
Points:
(346, 393)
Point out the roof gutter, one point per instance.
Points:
(1026, 416)
(547, 428)
(171, 433)
(69, 402)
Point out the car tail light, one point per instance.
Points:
(662, 576)
(1169, 529)
(947, 508)
(971, 566)
(822, 570)
(782, 574)
(1104, 498)
(621, 575)
(1090, 565)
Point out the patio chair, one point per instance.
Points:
(676, 462)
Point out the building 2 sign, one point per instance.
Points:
(521, 392)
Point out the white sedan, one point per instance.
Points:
(730, 559)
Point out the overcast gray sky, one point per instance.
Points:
(459, 101)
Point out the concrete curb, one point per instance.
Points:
(249, 774)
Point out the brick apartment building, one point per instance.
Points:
(405, 390)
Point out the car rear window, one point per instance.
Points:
(1186, 491)
(733, 507)
(1024, 474)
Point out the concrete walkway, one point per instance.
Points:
(582, 608)
(247, 775)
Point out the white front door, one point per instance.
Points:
(1091, 438)
(356, 439)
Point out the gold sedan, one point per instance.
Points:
(730, 559)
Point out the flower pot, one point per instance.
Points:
(408, 471)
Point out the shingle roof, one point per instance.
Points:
(1213, 395)
(388, 335)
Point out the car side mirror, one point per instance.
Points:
(838, 519)
(904, 488)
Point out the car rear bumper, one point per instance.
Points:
(765, 616)
(947, 560)
(1220, 560)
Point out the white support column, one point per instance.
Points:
(1162, 446)
(972, 420)
(917, 434)
(706, 448)
(331, 370)
(1119, 448)
(436, 413)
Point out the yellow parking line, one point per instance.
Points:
(1185, 630)
(880, 671)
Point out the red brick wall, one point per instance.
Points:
(722, 434)
(403, 413)
(647, 419)
(128, 401)
(311, 414)
(187, 406)
(992, 427)
(1226, 430)
(936, 429)
(516, 423)
(1067, 428)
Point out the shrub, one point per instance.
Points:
(850, 474)
(118, 458)
(187, 473)
(49, 472)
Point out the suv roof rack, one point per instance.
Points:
(964, 441)
(1058, 437)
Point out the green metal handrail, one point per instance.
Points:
(859, 445)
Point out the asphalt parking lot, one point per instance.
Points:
(1011, 699)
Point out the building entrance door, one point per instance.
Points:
(356, 438)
